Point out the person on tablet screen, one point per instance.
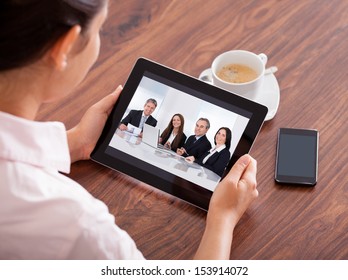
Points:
(217, 158)
(139, 117)
(196, 145)
(173, 136)
(43, 213)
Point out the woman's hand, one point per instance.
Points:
(230, 200)
(167, 145)
(236, 191)
(84, 136)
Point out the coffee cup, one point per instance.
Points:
(238, 71)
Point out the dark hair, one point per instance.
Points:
(166, 133)
(28, 28)
(228, 136)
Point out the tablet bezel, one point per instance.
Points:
(152, 175)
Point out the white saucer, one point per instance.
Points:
(269, 95)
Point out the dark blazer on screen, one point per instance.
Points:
(173, 146)
(197, 148)
(134, 118)
(217, 162)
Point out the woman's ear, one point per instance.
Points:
(61, 49)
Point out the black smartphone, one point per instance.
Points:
(297, 156)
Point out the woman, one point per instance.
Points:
(44, 214)
(217, 158)
(173, 136)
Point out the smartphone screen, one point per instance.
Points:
(297, 156)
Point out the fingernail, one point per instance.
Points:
(245, 160)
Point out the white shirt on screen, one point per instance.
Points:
(171, 138)
(213, 151)
(44, 214)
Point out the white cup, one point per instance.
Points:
(257, 62)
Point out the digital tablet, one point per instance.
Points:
(166, 97)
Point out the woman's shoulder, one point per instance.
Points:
(225, 151)
(183, 138)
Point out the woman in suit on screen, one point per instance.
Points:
(173, 136)
(217, 158)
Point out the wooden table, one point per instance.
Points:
(308, 42)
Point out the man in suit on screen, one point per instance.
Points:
(197, 144)
(139, 117)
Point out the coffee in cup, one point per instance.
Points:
(237, 73)
(240, 72)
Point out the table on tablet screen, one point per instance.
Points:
(307, 41)
(164, 159)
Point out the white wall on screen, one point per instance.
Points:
(147, 89)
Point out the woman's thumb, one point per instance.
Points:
(238, 168)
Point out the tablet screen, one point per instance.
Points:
(159, 105)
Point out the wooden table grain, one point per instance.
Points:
(307, 41)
